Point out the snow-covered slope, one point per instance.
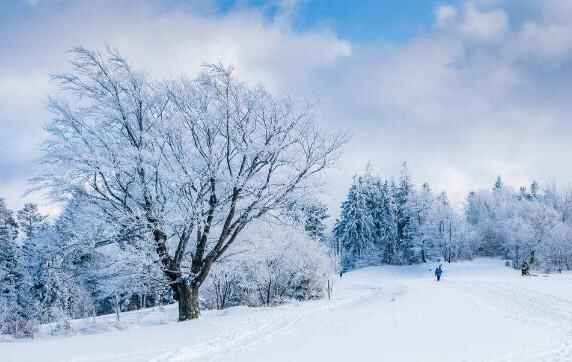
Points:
(481, 311)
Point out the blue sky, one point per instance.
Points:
(370, 20)
(463, 90)
(360, 21)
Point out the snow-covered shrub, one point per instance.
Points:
(555, 252)
(289, 265)
(282, 264)
(225, 285)
(13, 323)
(18, 327)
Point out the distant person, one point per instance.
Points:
(525, 269)
(439, 272)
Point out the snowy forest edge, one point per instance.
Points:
(205, 183)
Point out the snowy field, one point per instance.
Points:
(481, 311)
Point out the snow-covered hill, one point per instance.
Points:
(481, 311)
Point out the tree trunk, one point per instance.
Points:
(516, 257)
(188, 298)
(116, 306)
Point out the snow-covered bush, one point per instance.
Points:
(16, 326)
(283, 264)
(555, 253)
(225, 286)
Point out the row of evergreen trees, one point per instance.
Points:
(73, 267)
(15, 276)
(392, 222)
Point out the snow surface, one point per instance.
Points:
(481, 311)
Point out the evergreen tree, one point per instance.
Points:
(385, 215)
(30, 220)
(499, 185)
(355, 229)
(534, 190)
(472, 209)
(446, 219)
(423, 209)
(406, 221)
(315, 215)
(524, 194)
(8, 225)
(33, 226)
(391, 223)
(12, 315)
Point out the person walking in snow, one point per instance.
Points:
(438, 272)
(525, 268)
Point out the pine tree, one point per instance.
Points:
(406, 221)
(12, 314)
(30, 220)
(8, 225)
(446, 227)
(472, 209)
(534, 190)
(423, 209)
(355, 229)
(385, 217)
(32, 225)
(315, 215)
(499, 185)
(523, 194)
(393, 219)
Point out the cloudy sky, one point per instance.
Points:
(461, 90)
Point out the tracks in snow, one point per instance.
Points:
(534, 308)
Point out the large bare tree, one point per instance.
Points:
(191, 162)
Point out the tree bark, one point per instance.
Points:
(188, 298)
(116, 306)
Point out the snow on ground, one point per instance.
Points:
(481, 311)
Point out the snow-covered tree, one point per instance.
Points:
(191, 163)
(13, 318)
(315, 216)
(530, 224)
(423, 214)
(386, 222)
(406, 219)
(30, 220)
(356, 230)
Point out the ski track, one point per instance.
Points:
(530, 307)
(237, 341)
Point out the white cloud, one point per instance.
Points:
(164, 43)
(544, 43)
(445, 15)
(485, 93)
(472, 23)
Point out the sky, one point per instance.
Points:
(461, 90)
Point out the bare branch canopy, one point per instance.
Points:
(192, 162)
